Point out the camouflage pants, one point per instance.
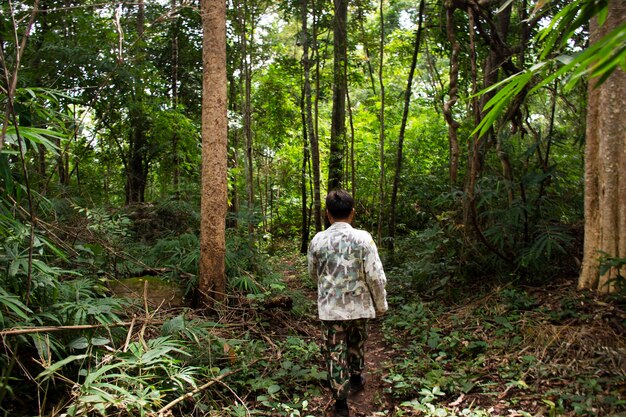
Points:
(343, 345)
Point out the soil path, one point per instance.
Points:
(370, 402)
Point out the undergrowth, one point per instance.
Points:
(511, 351)
(507, 350)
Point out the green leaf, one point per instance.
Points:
(42, 345)
(49, 371)
(80, 343)
(174, 325)
(13, 303)
(95, 375)
(100, 341)
(273, 389)
(503, 321)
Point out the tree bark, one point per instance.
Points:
(503, 23)
(233, 153)
(314, 136)
(365, 48)
(137, 174)
(174, 81)
(605, 168)
(472, 151)
(174, 33)
(351, 152)
(304, 241)
(405, 116)
(338, 125)
(212, 281)
(309, 135)
(247, 119)
(381, 118)
(453, 125)
(135, 179)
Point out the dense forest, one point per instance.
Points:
(163, 166)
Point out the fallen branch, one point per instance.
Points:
(161, 412)
(50, 329)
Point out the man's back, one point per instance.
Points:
(349, 273)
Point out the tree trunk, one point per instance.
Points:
(41, 162)
(236, 106)
(381, 117)
(472, 151)
(307, 124)
(453, 125)
(63, 163)
(605, 169)
(136, 175)
(405, 116)
(135, 181)
(314, 137)
(11, 81)
(212, 281)
(338, 125)
(174, 81)
(247, 119)
(174, 74)
(351, 155)
(233, 153)
(503, 23)
(365, 48)
(304, 242)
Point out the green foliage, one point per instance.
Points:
(13, 310)
(444, 355)
(292, 382)
(109, 227)
(178, 253)
(132, 382)
(598, 60)
(612, 263)
(432, 266)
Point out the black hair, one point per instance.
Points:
(339, 204)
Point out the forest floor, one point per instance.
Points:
(371, 401)
(508, 350)
(515, 351)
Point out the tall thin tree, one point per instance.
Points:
(174, 29)
(453, 125)
(314, 136)
(212, 282)
(381, 118)
(338, 122)
(310, 131)
(405, 116)
(136, 170)
(248, 20)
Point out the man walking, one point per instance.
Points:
(350, 290)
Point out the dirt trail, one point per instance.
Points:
(370, 402)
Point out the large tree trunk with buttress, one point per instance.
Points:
(605, 169)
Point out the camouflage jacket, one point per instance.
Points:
(350, 278)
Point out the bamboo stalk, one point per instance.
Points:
(50, 329)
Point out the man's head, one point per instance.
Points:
(339, 204)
